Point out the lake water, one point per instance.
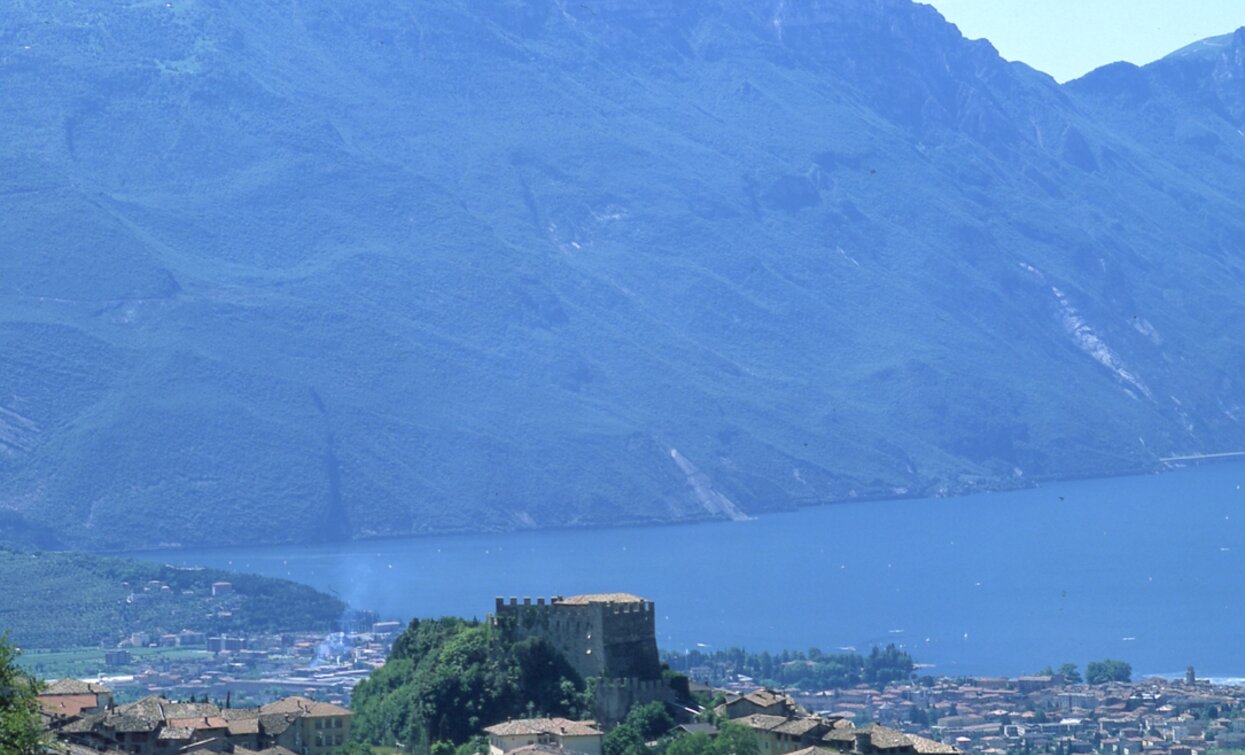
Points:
(1147, 569)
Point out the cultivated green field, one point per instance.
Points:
(88, 662)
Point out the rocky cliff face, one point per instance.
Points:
(295, 271)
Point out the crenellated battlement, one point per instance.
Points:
(632, 684)
(634, 605)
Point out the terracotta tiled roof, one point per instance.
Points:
(176, 733)
(764, 697)
(240, 726)
(142, 715)
(203, 722)
(552, 726)
(275, 724)
(189, 710)
(83, 725)
(798, 727)
(930, 747)
(761, 721)
(66, 705)
(304, 706)
(884, 738)
(75, 687)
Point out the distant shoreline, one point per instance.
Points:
(1031, 483)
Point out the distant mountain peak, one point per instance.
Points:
(1211, 48)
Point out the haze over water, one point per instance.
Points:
(1146, 569)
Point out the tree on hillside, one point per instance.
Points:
(624, 739)
(1070, 673)
(651, 720)
(21, 731)
(735, 739)
(1102, 672)
(732, 739)
(446, 679)
(886, 665)
(691, 744)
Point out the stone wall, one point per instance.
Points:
(614, 697)
(613, 643)
(616, 640)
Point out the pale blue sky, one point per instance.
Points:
(1068, 38)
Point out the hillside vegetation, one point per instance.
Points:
(446, 679)
(813, 670)
(287, 271)
(59, 600)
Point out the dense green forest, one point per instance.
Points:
(447, 678)
(59, 600)
(804, 670)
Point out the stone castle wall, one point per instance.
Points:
(617, 640)
(612, 643)
(614, 697)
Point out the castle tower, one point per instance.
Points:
(611, 637)
(609, 634)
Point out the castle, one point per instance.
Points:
(609, 637)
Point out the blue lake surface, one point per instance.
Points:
(1147, 569)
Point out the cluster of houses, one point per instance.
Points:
(780, 724)
(994, 716)
(255, 669)
(83, 718)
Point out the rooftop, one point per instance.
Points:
(600, 597)
(303, 706)
(555, 726)
(75, 687)
(66, 705)
(884, 738)
(761, 721)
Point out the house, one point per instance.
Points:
(779, 735)
(581, 737)
(880, 740)
(68, 699)
(763, 702)
(319, 727)
(155, 726)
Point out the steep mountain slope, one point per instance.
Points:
(284, 270)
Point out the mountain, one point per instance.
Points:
(291, 271)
